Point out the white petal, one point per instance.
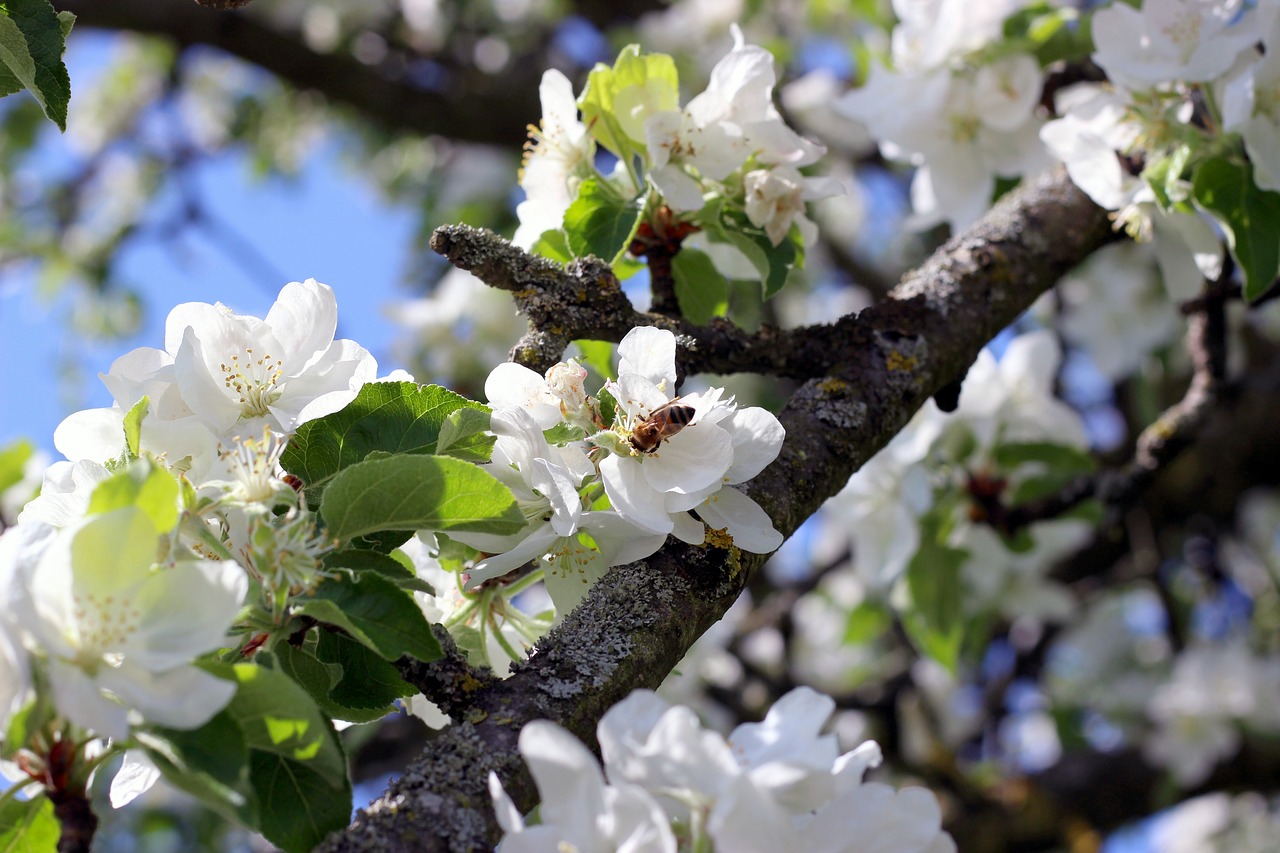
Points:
(567, 776)
(303, 319)
(135, 777)
(631, 495)
(509, 817)
(651, 353)
(690, 460)
(184, 698)
(757, 438)
(749, 525)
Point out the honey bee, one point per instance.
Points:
(662, 423)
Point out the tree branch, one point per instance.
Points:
(639, 620)
(386, 95)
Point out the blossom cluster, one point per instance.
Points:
(668, 784)
(604, 479)
(169, 516)
(972, 116)
(727, 152)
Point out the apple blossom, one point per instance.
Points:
(1171, 40)
(223, 375)
(733, 119)
(690, 465)
(560, 152)
(777, 785)
(579, 810)
(1199, 711)
(117, 633)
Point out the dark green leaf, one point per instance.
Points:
(866, 623)
(418, 493)
(701, 290)
(361, 561)
(368, 682)
(600, 222)
(934, 619)
(319, 679)
(374, 611)
(32, 41)
(1249, 216)
(1056, 457)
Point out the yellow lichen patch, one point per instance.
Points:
(470, 684)
(832, 386)
(527, 293)
(896, 362)
(717, 538)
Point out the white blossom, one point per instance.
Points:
(118, 633)
(1168, 40)
(561, 150)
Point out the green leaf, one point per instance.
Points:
(133, 426)
(319, 679)
(1056, 457)
(617, 100)
(28, 826)
(598, 355)
(553, 246)
(866, 622)
(772, 263)
(300, 804)
(32, 41)
(142, 484)
(1249, 216)
(600, 222)
(211, 763)
(361, 561)
(374, 611)
(934, 618)
(701, 290)
(393, 417)
(297, 768)
(368, 682)
(13, 463)
(418, 493)
(462, 435)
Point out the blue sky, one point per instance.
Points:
(326, 224)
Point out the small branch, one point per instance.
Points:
(76, 817)
(223, 4)
(658, 242)
(450, 682)
(1163, 440)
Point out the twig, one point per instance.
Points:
(1164, 439)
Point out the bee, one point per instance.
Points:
(662, 423)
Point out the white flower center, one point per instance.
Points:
(1184, 32)
(254, 465)
(252, 381)
(104, 624)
